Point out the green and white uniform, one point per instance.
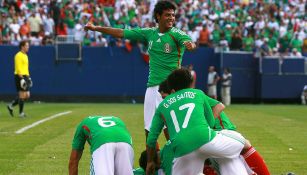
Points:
(222, 121)
(189, 119)
(110, 144)
(165, 52)
(167, 157)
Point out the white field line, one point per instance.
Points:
(41, 121)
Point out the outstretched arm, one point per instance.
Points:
(75, 157)
(118, 33)
(189, 45)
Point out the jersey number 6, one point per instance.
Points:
(104, 122)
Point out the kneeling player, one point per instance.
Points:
(110, 143)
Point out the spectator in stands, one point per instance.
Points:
(295, 53)
(212, 81)
(226, 86)
(204, 34)
(236, 41)
(223, 44)
(296, 43)
(265, 49)
(216, 35)
(35, 22)
(275, 52)
(248, 43)
(24, 30)
(48, 24)
(304, 95)
(62, 28)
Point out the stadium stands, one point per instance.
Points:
(249, 25)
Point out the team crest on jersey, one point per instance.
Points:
(167, 48)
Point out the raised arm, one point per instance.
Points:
(75, 157)
(118, 33)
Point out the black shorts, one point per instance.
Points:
(17, 83)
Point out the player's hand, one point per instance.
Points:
(23, 84)
(150, 168)
(89, 26)
(189, 45)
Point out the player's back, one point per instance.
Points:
(188, 117)
(105, 129)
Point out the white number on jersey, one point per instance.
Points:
(187, 117)
(104, 122)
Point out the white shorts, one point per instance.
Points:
(112, 158)
(225, 148)
(151, 102)
(212, 90)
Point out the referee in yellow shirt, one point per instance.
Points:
(22, 78)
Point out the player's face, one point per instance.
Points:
(167, 19)
(26, 47)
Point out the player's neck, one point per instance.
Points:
(164, 29)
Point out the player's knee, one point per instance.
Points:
(247, 144)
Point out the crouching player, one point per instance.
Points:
(189, 119)
(110, 146)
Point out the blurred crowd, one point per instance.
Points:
(268, 27)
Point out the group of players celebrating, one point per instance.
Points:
(201, 138)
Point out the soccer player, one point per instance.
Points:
(22, 78)
(166, 45)
(189, 118)
(251, 156)
(110, 146)
(253, 159)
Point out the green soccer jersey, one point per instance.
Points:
(167, 157)
(222, 121)
(138, 171)
(165, 50)
(98, 130)
(188, 118)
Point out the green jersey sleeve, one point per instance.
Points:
(155, 129)
(79, 137)
(208, 112)
(139, 34)
(212, 102)
(181, 36)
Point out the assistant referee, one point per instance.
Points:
(22, 78)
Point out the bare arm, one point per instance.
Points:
(118, 33)
(217, 109)
(189, 45)
(75, 157)
(150, 161)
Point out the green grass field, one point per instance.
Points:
(278, 132)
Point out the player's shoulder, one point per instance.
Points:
(148, 29)
(18, 54)
(177, 31)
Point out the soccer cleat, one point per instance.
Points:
(22, 115)
(10, 109)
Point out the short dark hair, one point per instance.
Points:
(23, 43)
(164, 87)
(143, 159)
(179, 79)
(161, 6)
